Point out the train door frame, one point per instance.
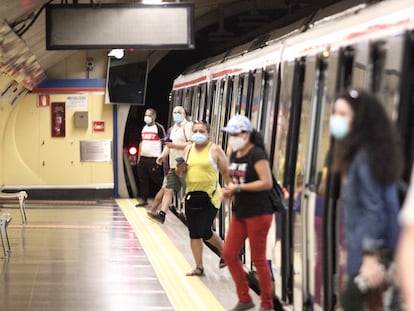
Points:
(268, 127)
(222, 141)
(406, 107)
(284, 161)
(330, 217)
(233, 103)
(311, 133)
(270, 106)
(289, 176)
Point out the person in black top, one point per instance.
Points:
(251, 178)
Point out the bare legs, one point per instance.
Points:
(197, 250)
(157, 200)
(163, 197)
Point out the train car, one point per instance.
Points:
(286, 82)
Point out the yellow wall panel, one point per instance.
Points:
(37, 158)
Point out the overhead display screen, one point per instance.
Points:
(168, 26)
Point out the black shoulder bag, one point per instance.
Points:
(276, 197)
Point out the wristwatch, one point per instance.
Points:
(238, 189)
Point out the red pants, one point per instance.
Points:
(254, 228)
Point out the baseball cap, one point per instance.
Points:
(238, 124)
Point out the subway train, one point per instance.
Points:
(286, 81)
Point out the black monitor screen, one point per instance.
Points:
(126, 81)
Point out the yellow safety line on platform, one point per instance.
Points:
(185, 293)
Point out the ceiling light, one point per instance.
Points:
(117, 53)
(151, 1)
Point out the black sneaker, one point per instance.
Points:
(142, 204)
(159, 217)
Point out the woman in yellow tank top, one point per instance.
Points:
(204, 161)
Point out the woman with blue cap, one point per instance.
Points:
(251, 178)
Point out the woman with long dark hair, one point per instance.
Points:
(368, 156)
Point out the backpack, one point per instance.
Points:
(277, 198)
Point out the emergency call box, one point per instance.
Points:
(81, 119)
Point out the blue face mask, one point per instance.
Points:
(198, 138)
(177, 117)
(147, 119)
(338, 126)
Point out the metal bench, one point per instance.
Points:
(5, 219)
(21, 196)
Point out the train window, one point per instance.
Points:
(237, 95)
(337, 63)
(172, 96)
(257, 99)
(391, 74)
(203, 99)
(360, 76)
(225, 108)
(177, 96)
(307, 121)
(268, 109)
(195, 103)
(187, 100)
(283, 120)
(344, 75)
(210, 100)
(246, 94)
(377, 60)
(215, 109)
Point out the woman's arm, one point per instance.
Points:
(405, 259)
(222, 163)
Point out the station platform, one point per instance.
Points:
(105, 255)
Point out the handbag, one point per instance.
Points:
(276, 197)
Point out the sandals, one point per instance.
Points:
(196, 272)
(222, 264)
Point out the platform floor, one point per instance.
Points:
(105, 256)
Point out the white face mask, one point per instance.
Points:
(198, 138)
(147, 119)
(178, 117)
(339, 126)
(237, 142)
